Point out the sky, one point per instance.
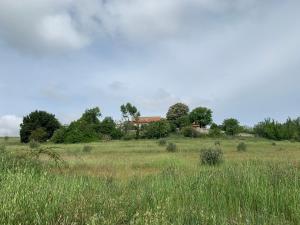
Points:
(238, 57)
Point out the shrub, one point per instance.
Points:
(33, 144)
(116, 134)
(81, 131)
(171, 147)
(59, 135)
(129, 136)
(6, 138)
(39, 135)
(190, 132)
(231, 126)
(215, 132)
(162, 142)
(241, 147)
(217, 143)
(211, 156)
(157, 129)
(273, 144)
(87, 149)
(105, 137)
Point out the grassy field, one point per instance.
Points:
(139, 182)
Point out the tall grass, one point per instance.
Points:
(250, 192)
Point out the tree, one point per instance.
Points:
(35, 120)
(201, 116)
(85, 129)
(177, 115)
(130, 112)
(109, 127)
(91, 116)
(39, 135)
(231, 126)
(158, 129)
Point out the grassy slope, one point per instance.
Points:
(138, 182)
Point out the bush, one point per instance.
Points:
(33, 144)
(116, 134)
(273, 144)
(87, 149)
(105, 137)
(39, 135)
(171, 147)
(231, 127)
(241, 147)
(157, 129)
(6, 138)
(211, 156)
(59, 135)
(162, 142)
(217, 143)
(190, 132)
(215, 132)
(129, 136)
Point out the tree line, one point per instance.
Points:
(42, 126)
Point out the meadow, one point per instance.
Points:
(139, 182)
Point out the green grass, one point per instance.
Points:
(139, 182)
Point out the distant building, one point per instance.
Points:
(146, 120)
(201, 130)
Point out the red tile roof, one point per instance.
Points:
(144, 120)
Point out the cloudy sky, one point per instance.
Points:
(238, 57)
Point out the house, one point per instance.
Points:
(146, 120)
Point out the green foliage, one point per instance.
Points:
(241, 147)
(81, 131)
(33, 144)
(271, 129)
(35, 120)
(182, 121)
(216, 132)
(201, 116)
(190, 132)
(84, 130)
(231, 126)
(171, 147)
(217, 143)
(87, 149)
(129, 136)
(157, 129)
(2, 148)
(162, 142)
(59, 135)
(105, 137)
(211, 156)
(90, 116)
(39, 135)
(177, 111)
(129, 111)
(6, 138)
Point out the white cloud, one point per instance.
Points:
(10, 125)
(62, 25)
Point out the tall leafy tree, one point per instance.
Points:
(37, 121)
(201, 116)
(231, 126)
(178, 115)
(130, 112)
